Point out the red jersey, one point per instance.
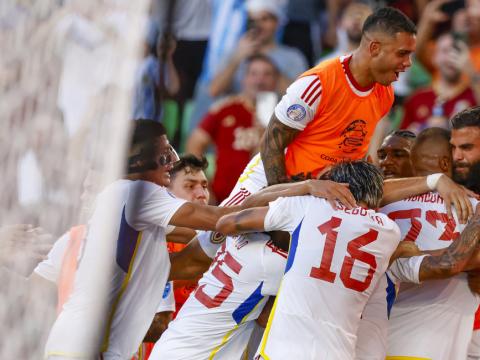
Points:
(230, 124)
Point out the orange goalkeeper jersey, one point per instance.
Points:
(344, 121)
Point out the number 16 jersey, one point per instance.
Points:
(335, 261)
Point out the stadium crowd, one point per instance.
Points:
(325, 204)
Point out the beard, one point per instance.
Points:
(470, 180)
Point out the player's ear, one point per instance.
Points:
(445, 164)
(374, 48)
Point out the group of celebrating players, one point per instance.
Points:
(306, 256)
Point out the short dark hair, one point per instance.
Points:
(142, 146)
(365, 181)
(261, 57)
(406, 134)
(433, 133)
(389, 21)
(191, 162)
(466, 118)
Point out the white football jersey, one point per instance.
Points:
(216, 320)
(252, 180)
(335, 261)
(135, 251)
(440, 312)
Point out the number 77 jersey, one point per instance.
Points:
(440, 312)
(336, 258)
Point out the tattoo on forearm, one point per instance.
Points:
(239, 217)
(456, 255)
(272, 149)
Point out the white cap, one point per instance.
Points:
(274, 7)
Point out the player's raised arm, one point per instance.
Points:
(327, 189)
(452, 193)
(272, 149)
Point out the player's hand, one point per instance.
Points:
(332, 192)
(405, 249)
(474, 281)
(247, 46)
(458, 196)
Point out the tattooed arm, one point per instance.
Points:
(272, 150)
(249, 220)
(456, 256)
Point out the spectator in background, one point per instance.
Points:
(190, 24)
(229, 18)
(350, 27)
(231, 126)
(450, 94)
(264, 19)
(148, 87)
(299, 32)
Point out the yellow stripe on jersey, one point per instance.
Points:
(119, 296)
(249, 170)
(263, 343)
(406, 358)
(227, 335)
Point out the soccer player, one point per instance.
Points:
(129, 259)
(218, 319)
(439, 312)
(189, 182)
(335, 260)
(394, 154)
(329, 114)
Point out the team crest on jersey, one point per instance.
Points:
(296, 112)
(217, 238)
(353, 136)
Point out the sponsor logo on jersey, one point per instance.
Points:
(296, 112)
(217, 238)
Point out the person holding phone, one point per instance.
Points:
(450, 94)
(264, 18)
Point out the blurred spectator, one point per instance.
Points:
(189, 21)
(450, 94)
(394, 154)
(413, 9)
(229, 18)
(264, 18)
(302, 16)
(231, 126)
(350, 28)
(449, 15)
(148, 89)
